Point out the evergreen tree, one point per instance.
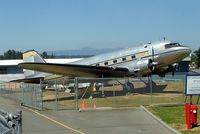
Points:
(12, 54)
(44, 55)
(197, 57)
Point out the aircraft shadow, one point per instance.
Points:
(142, 90)
(156, 89)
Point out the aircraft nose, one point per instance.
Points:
(187, 50)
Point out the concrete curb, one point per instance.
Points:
(95, 109)
(174, 131)
(106, 108)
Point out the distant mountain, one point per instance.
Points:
(82, 52)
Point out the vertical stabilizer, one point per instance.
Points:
(32, 56)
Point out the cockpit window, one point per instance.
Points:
(170, 45)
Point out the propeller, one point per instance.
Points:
(152, 53)
(172, 69)
(152, 64)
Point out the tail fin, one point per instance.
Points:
(32, 56)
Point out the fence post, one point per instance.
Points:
(35, 95)
(76, 92)
(41, 94)
(150, 85)
(114, 102)
(19, 122)
(102, 88)
(56, 94)
(1, 88)
(22, 88)
(32, 90)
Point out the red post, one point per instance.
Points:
(187, 115)
(193, 111)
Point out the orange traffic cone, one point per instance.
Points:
(95, 105)
(83, 106)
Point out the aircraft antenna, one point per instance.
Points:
(152, 53)
(153, 66)
(164, 38)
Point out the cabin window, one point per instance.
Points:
(97, 64)
(145, 46)
(171, 45)
(142, 54)
(124, 59)
(105, 63)
(114, 61)
(3, 71)
(133, 56)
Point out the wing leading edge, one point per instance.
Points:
(73, 70)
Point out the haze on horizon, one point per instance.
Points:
(48, 25)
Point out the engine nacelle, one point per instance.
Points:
(143, 65)
(162, 71)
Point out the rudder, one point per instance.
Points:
(32, 56)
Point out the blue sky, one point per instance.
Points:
(73, 24)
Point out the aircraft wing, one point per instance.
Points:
(73, 70)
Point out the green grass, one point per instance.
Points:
(175, 117)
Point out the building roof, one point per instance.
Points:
(16, 62)
(187, 58)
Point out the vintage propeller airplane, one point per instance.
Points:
(143, 60)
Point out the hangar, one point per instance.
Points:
(183, 66)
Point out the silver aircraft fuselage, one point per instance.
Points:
(137, 59)
(151, 58)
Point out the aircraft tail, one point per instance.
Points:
(32, 56)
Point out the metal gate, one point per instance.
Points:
(59, 94)
(27, 94)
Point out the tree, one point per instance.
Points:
(44, 55)
(193, 58)
(197, 57)
(12, 54)
(1, 57)
(52, 56)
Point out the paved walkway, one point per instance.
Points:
(134, 121)
(32, 123)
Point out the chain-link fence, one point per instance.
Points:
(27, 94)
(130, 92)
(59, 94)
(65, 93)
(32, 95)
(11, 90)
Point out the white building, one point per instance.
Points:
(9, 69)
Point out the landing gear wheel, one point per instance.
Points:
(128, 87)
